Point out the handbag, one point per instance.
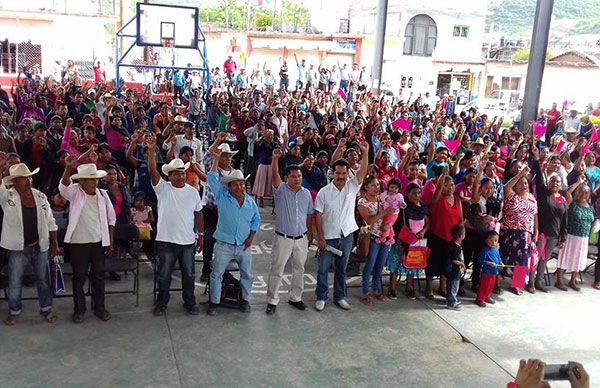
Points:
(406, 235)
(231, 291)
(363, 242)
(415, 257)
(144, 232)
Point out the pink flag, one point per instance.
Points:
(452, 145)
(586, 147)
(402, 123)
(539, 129)
(565, 104)
(559, 146)
(340, 92)
(594, 136)
(518, 277)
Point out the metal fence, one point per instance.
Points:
(16, 56)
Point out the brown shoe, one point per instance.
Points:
(530, 288)
(596, 285)
(574, 286)
(561, 286)
(540, 287)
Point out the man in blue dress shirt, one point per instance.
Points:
(293, 233)
(238, 222)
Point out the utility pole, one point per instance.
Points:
(537, 61)
(119, 25)
(379, 45)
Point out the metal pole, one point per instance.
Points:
(379, 45)
(537, 60)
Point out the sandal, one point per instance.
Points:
(378, 296)
(596, 285)
(49, 316)
(366, 300)
(11, 320)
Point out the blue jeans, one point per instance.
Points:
(223, 255)
(326, 260)
(168, 255)
(451, 291)
(17, 260)
(378, 254)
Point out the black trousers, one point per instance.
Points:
(472, 245)
(82, 255)
(211, 216)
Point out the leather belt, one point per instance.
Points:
(290, 237)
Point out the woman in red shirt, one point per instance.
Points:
(446, 211)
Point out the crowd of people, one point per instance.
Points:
(87, 168)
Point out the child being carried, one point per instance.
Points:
(392, 199)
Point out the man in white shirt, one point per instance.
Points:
(334, 218)
(179, 210)
(187, 139)
(280, 122)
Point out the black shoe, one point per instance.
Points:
(114, 276)
(299, 305)
(392, 294)
(77, 318)
(480, 303)
(516, 291)
(159, 311)
(271, 309)
(244, 306)
(497, 290)
(193, 310)
(490, 300)
(411, 294)
(212, 309)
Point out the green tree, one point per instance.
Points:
(523, 54)
(263, 17)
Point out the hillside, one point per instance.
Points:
(516, 16)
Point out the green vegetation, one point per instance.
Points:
(234, 15)
(516, 16)
(523, 54)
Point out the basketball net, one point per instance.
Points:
(167, 54)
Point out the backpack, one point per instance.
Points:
(231, 291)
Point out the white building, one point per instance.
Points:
(434, 46)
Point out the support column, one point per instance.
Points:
(537, 61)
(379, 45)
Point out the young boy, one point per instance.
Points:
(490, 260)
(455, 266)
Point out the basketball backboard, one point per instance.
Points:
(156, 22)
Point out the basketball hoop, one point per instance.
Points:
(167, 55)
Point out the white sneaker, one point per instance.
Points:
(343, 304)
(320, 305)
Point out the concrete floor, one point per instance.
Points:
(406, 343)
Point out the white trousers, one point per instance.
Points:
(284, 249)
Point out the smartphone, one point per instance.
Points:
(557, 372)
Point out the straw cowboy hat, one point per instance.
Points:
(19, 170)
(571, 130)
(479, 141)
(235, 175)
(226, 149)
(105, 96)
(180, 119)
(88, 171)
(175, 165)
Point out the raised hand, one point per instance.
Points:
(70, 160)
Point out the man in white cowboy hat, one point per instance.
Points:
(209, 202)
(238, 223)
(175, 127)
(89, 233)
(28, 235)
(179, 210)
